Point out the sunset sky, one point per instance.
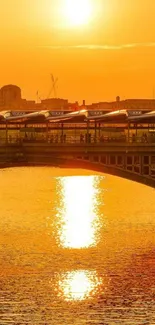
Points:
(106, 49)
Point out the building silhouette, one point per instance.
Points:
(11, 99)
(10, 96)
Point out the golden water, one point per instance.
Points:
(76, 247)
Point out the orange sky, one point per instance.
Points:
(113, 55)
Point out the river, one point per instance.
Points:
(76, 247)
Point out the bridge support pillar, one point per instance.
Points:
(47, 131)
(95, 133)
(62, 129)
(87, 137)
(104, 159)
(146, 165)
(99, 131)
(6, 134)
(128, 131)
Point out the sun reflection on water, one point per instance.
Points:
(79, 285)
(78, 211)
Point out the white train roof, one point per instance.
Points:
(56, 117)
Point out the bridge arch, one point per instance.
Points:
(130, 161)
(105, 169)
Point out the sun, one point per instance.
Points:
(78, 12)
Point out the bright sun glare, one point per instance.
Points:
(78, 12)
(79, 285)
(78, 212)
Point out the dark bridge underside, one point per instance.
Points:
(75, 164)
(107, 170)
(134, 162)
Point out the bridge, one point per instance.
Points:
(117, 142)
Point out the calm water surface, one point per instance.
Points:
(75, 248)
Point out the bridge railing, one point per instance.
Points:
(66, 139)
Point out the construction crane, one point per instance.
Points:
(54, 87)
(38, 96)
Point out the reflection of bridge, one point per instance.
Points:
(119, 143)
